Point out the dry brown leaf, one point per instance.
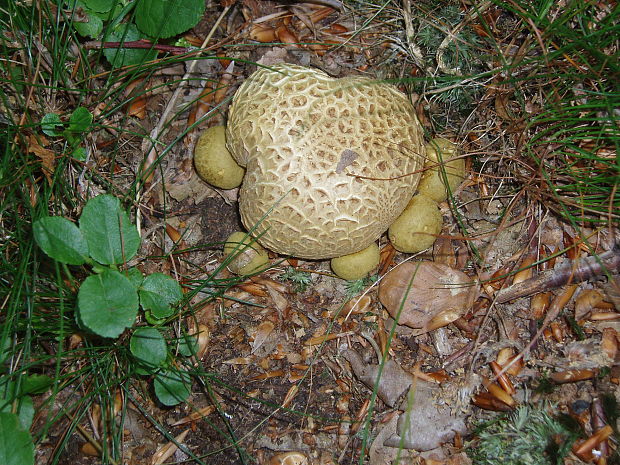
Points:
(289, 458)
(502, 107)
(426, 295)
(609, 343)
(47, 156)
(585, 301)
(239, 361)
(204, 336)
(166, 451)
(137, 107)
(197, 415)
(261, 335)
(612, 291)
(90, 450)
(427, 422)
(280, 302)
(224, 84)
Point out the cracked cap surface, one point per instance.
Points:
(308, 143)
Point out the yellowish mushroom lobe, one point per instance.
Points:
(417, 227)
(443, 165)
(213, 161)
(250, 257)
(356, 265)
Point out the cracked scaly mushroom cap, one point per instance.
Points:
(326, 159)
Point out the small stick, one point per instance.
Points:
(141, 44)
(574, 272)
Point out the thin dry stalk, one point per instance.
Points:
(574, 272)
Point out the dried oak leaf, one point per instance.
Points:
(426, 295)
(427, 421)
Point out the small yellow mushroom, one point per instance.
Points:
(214, 163)
(250, 257)
(417, 227)
(356, 265)
(442, 161)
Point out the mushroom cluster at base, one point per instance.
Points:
(328, 165)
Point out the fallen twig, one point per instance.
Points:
(141, 44)
(574, 272)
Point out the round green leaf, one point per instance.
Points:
(16, 446)
(49, 124)
(167, 18)
(158, 293)
(172, 386)
(149, 346)
(188, 345)
(79, 154)
(36, 384)
(100, 6)
(92, 27)
(80, 120)
(110, 235)
(61, 239)
(9, 398)
(108, 303)
(135, 276)
(127, 32)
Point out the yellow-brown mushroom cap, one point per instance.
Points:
(327, 160)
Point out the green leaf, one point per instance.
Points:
(135, 276)
(80, 120)
(49, 123)
(172, 386)
(108, 303)
(158, 293)
(148, 316)
(92, 27)
(167, 18)
(100, 6)
(16, 446)
(12, 402)
(127, 32)
(188, 345)
(61, 239)
(36, 384)
(108, 231)
(79, 154)
(149, 346)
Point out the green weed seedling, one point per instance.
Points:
(298, 278)
(528, 436)
(354, 287)
(131, 21)
(73, 130)
(109, 299)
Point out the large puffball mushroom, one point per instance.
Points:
(426, 295)
(250, 256)
(213, 161)
(417, 227)
(330, 163)
(443, 165)
(357, 265)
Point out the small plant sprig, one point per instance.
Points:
(73, 130)
(527, 436)
(356, 286)
(108, 300)
(300, 279)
